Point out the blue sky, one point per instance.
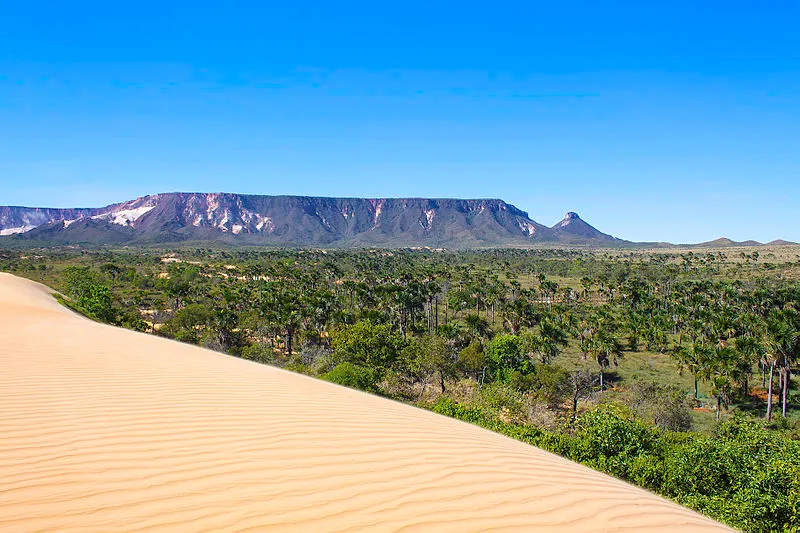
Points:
(675, 121)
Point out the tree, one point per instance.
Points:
(750, 351)
(366, 344)
(504, 355)
(547, 342)
(90, 295)
(180, 281)
(720, 369)
(478, 327)
(692, 359)
(665, 406)
(472, 359)
(112, 270)
(520, 312)
(428, 356)
(185, 322)
(783, 347)
(285, 307)
(599, 341)
(581, 384)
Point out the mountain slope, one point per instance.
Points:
(574, 229)
(285, 221)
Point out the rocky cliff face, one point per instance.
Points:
(14, 220)
(292, 220)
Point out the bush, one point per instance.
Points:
(606, 433)
(353, 376)
(664, 406)
(89, 294)
(504, 401)
(366, 344)
(551, 384)
(258, 352)
(504, 356)
(448, 407)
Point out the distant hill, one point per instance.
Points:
(724, 242)
(295, 221)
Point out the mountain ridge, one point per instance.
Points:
(280, 220)
(297, 221)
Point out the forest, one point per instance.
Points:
(671, 369)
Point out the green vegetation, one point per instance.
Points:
(742, 474)
(674, 371)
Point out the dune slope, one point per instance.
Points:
(104, 429)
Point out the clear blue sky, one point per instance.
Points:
(675, 121)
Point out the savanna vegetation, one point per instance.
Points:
(674, 370)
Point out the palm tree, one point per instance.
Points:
(586, 283)
(691, 358)
(548, 342)
(750, 351)
(520, 312)
(782, 347)
(478, 327)
(722, 372)
(603, 346)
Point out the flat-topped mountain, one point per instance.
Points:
(295, 221)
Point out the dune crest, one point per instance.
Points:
(109, 430)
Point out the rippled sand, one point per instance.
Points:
(103, 429)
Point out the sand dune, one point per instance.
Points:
(103, 429)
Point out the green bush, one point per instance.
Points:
(503, 400)
(366, 344)
(89, 294)
(448, 407)
(258, 352)
(504, 356)
(353, 376)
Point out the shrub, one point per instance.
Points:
(664, 406)
(504, 356)
(502, 400)
(375, 346)
(90, 295)
(353, 376)
(258, 352)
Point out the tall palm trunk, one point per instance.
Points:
(769, 390)
(785, 395)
